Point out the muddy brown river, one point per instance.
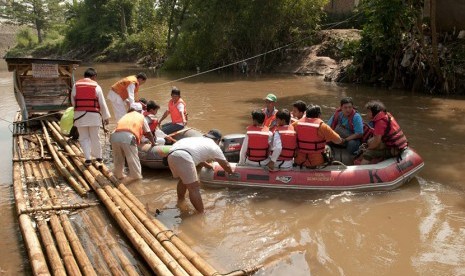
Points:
(418, 229)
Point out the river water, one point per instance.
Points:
(418, 229)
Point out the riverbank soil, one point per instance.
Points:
(324, 58)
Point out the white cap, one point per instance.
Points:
(137, 107)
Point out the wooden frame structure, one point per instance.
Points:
(42, 85)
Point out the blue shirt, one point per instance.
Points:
(343, 120)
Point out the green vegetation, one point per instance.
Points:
(395, 49)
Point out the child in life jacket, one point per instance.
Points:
(152, 121)
(256, 144)
(284, 142)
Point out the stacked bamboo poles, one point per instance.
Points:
(120, 213)
(134, 212)
(32, 243)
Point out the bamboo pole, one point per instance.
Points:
(161, 237)
(31, 159)
(62, 242)
(32, 244)
(114, 247)
(102, 246)
(66, 174)
(81, 256)
(73, 171)
(51, 250)
(29, 210)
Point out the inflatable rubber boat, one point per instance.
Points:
(152, 157)
(386, 175)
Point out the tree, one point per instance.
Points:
(41, 14)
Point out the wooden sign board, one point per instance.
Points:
(44, 70)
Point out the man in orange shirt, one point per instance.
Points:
(312, 136)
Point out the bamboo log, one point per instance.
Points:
(62, 242)
(102, 246)
(32, 244)
(73, 171)
(31, 159)
(51, 250)
(80, 254)
(71, 180)
(114, 247)
(161, 237)
(41, 146)
(29, 210)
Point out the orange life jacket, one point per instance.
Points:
(337, 116)
(393, 136)
(121, 87)
(153, 121)
(132, 122)
(308, 140)
(269, 119)
(176, 116)
(258, 145)
(86, 96)
(288, 141)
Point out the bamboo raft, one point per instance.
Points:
(72, 216)
(62, 207)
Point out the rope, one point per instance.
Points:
(329, 26)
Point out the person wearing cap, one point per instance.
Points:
(186, 154)
(124, 93)
(256, 145)
(90, 111)
(178, 112)
(124, 140)
(270, 112)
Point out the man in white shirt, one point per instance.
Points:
(90, 110)
(124, 93)
(189, 152)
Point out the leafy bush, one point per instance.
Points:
(26, 38)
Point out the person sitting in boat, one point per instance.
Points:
(312, 136)
(256, 144)
(178, 112)
(284, 142)
(270, 112)
(298, 111)
(348, 123)
(388, 138)
(152, 121)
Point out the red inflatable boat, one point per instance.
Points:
(386, 175)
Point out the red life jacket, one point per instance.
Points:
(258, 146)
(86, 96)
(367, 132)
(288, 141)
(308, 140)
(393, 136)
(153, 121)
(269, 119)
(336, 117)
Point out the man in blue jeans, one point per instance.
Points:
(348, 123)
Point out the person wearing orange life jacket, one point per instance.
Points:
(152, 110)
(90, 110)
(388, 138)
(178, 112)
(348, 123)
(255, 147)
(284, 142)
(312, 136)
(270, 112)
(124, 93)
(129, 132)
(298, 111)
